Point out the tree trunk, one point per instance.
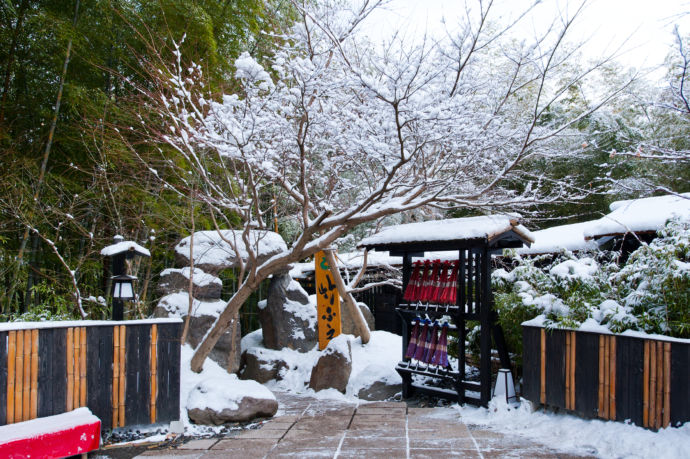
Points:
(350, 303)
(191, 271)
(225, 320)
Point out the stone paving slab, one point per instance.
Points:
(307, 428)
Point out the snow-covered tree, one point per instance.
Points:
(338, 133)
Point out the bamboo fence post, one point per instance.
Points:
(572, 370)
(652, 384)
(123, 374)
(645, 385)
(77, 365)
(567, 370)
(26, 389)
(33, 409)
(19, 378)
(612, 378)
(660, 383)
(154, 373)
(667, 385)
(11, 356)
(116, 374)
(601, 377)
(82, 368)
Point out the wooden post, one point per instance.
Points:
(26, 390)
(77, 365)
(652, 385)
(612, 377)
(33, 408)
(154, 373)
(572, 370)
(645, 386)
(11, 356)
(116, 375)
(19, 379)
(567, 370)
(82, 368)
(361, 326)
(660, 383)
(123, 377)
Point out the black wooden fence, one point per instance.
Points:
(127, 373)
(608, 376)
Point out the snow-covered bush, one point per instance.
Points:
(650, 292)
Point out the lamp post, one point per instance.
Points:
(122, 283)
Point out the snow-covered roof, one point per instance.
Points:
(452, 230)
(563, 237)
(212, 253)
(640, 215)
(124, 246)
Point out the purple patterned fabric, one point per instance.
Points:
(422, 342)
(432, 344)
(440, 357)
(414, 338)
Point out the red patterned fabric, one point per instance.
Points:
(413, 285)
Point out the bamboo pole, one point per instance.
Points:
(612, 378)
(652, 385)
(567, 371)
(660, 383)
(601, 377)
(11, 356)
(572, 370)
(123, 374)
(116, 374)
(667, 385)
(77, 365)
(154, 372)
(33, 409)
(26, 390)
(82, 367)
(645, 386)
(607, 376)
(19, 378)
(361, 326)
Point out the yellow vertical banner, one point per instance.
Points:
(327, 302)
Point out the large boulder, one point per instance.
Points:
(205, 287)
(261, 366)
(227, 350)
(213, 250)
(288, 318)
(332, 370)
(217, 401)
(379, 391)
(348, 323)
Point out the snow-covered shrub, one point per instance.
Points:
(650, 292)
(654, 284)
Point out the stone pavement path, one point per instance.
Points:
(311, 428)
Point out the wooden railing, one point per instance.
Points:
(127, 373)
(608, 376)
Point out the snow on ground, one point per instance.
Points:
(371, 362)
(567, 433)
(376, 361)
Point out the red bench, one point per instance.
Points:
(67, 434)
